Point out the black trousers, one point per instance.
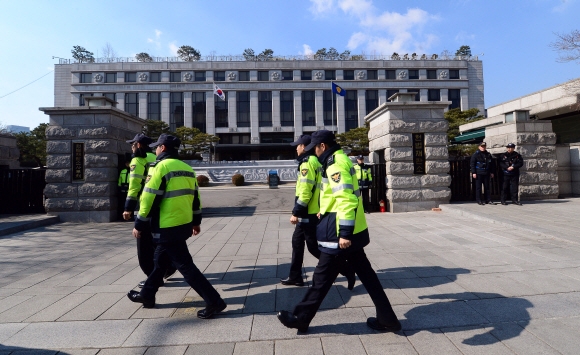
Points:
(365, 198)
(178, 254)
(511, 184)
(482, 180)
(324, 276)
(304, 232)
(146, 252)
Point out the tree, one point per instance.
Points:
(109, 53)
(153, 129)
(445, 54)
(188, 54)
(143, 57)
(395, 56)
(569, 44)
(32, 146)
(320, 54)
(249, 54)
(267, 54)
(193, 140)
(357, 140)
(455, 117)
(463, 51)
(4, 129)
(82, 55)
(344, 55)
(332, 54)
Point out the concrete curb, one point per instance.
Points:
(10, 227)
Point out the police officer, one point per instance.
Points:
(365, 180)
(342, 234)
(142, 157)
(171, 203)
(510, 163)
(304, 214)
(482, 166)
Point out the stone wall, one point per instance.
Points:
(536, 142)
(9, 153)
(103, 130)
(391, 129)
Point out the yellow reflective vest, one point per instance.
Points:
(139, 167)
(306, 202)
(363, 175)
(341, 209)
(170, 200)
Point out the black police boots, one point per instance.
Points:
(210, 311)
(374, 323)
(289, 282)
(137, 298)
(291, 321)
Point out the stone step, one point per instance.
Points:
(10, 224)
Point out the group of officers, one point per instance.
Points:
(329, 215)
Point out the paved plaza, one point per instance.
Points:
(467, 280)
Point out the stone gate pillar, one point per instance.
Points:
(413, 136)
(83, 145)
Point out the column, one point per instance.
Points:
(298, 112)
(382, 96)
(232, 109)
(464, 95)
(319, 107)
(254, 118)
(120, 100)
(444, 96)
(339, 102)
(362, 107)
(424, 95)
(187, 109)
(121, 77)
(276, 109)
(210, 112)
(143, 105)
(164, 107)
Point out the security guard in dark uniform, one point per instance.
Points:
(482, 165)
(171, 203)
(365, 179)
(342, 234)
(305, 215)
(510, 163)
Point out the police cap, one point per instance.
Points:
(167, 140)
(304, 139)
(510, 145)
(360, 157)
(322, 136)
(141, 138)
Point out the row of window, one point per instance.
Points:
(131, 77)
(308, 101)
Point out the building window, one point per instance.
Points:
(155, 77)
(284, 138)
(219, 76)
(234, 138)
(111, 96)
(221, 111)
(371, 100)
(264, 108)
(287, 108)
(372, 75)
(199, 76)
(82, 99)
(308, 111)
(413, 74)
(175, 76)
(433, 95)
(244, 76)
(154, 106)
(263, 76)
(454, 74)
(454, 96)
(287, 75)
(243, 108)
(175, 110)
(131, 77)
(431, 74)
(306, 75)
(132, 103)
(391, 75)
(330, 75)
(110, 77)
(327, 108)
(348, 75)
(391, 92)
(86, 78)
(198, 110)
(350, 110)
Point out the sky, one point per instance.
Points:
(511, 37)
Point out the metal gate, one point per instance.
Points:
(463, 185)
(22, 191)
(379, 186)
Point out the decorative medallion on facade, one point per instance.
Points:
(275, 76)
(361, 74)
(98, 78)
(143, 77)
(232, 76)
(187, 77)
(443, 74)
(318, 75)
(403, 74)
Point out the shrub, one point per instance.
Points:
(238, 179)
(202, 180)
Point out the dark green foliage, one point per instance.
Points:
(238, 180)
(202, 180)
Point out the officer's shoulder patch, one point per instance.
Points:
(304, 172)
(154, 163)
(330, 160)
(335, 177)
(148, 178)
(133, 167)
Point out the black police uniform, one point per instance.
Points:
(482, 164)
(511, 179)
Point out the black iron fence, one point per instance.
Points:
(22, 191)
(379, 186)
(463, 185)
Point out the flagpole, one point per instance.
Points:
(332, 93)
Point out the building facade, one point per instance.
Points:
(267, 103)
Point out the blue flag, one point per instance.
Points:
(338, 90)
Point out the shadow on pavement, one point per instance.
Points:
(228, 211)
(29, 351)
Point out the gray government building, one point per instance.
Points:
(268, 103)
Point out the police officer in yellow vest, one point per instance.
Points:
(342, 234)
(365, 180)
(171, 203)
(304, 214)
(122, 188)
(142, 158)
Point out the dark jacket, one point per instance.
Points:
(482, 163)
(511, 159)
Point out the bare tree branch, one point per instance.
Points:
(569, 43)
(108, 52)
